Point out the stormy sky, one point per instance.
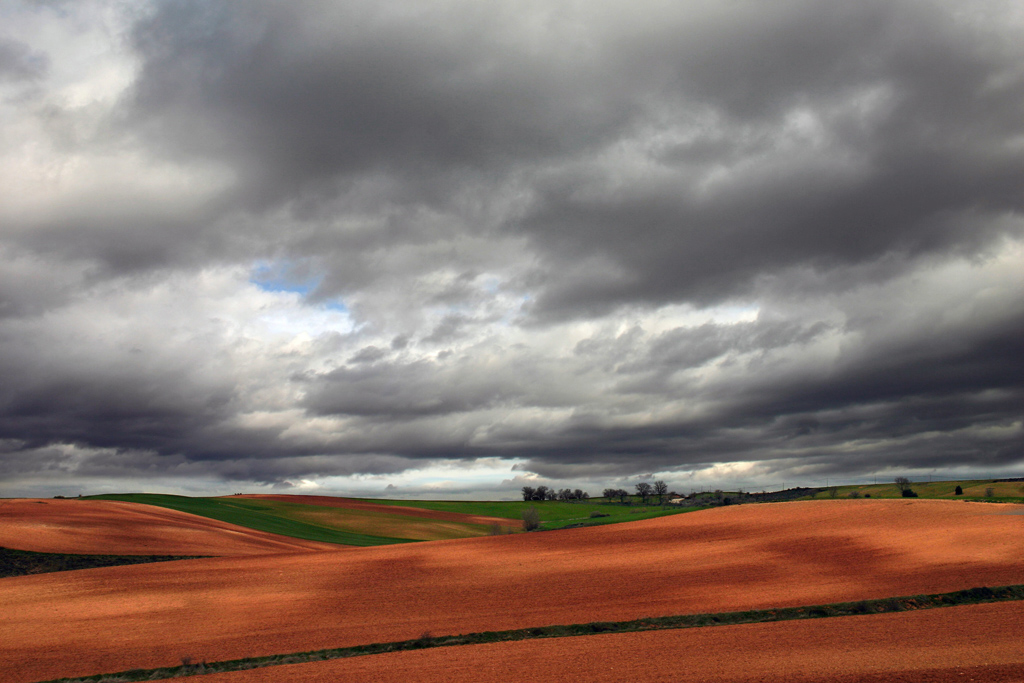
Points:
(451, 247)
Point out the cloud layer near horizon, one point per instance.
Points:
(274, 242)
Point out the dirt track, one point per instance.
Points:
(975, 643)
(719, 560)
(353, 504)
(107, 527)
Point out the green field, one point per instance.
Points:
(973, 489)
(371, 527)
(553, 514)
(287, 519)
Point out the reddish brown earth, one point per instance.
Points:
(975, 643)
(353, 504)
(724, 559)
(107, 527)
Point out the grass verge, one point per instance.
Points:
(24, 562)
(971, 596)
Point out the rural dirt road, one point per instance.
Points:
(732, 558)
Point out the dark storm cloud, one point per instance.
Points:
(909, 110)
(326, 89)
(598, 237)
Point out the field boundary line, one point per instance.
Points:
(971, 596)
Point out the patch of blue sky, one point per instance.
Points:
(284, 277)
(336, 305)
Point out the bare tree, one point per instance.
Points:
(623, 494)
(643, 489)
(552, 494)
(903, 484)
(529, 492)
(611, 493)
(660, 489)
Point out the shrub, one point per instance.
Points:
(595, 514)
(531, 519)
(854, 494)
(867, 495)
(959, 490)
(861, 607)
(989, 492)
(909, 493)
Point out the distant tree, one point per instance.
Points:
(541, 493)
(903, 484)
(611, 493)
(959, 490)
(565, 495)
(833, 491)
(660, 489)
(529, 492)
(623, 494)
(531, 519)
(643, 489)
(580, 494)
(551, 494)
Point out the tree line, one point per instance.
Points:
(545, 493)
(644, 489)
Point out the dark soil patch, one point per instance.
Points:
(23, 562)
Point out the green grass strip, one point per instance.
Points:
(24, 562)
(253, 514)
(973, 596)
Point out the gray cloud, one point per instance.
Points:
(272, 241)
(18, 62)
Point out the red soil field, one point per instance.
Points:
(107, 527)
(970, 643)
(732, 558)
(353, 504)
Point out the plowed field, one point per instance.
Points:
(725, 559)
(103, 527)
(973, 643)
